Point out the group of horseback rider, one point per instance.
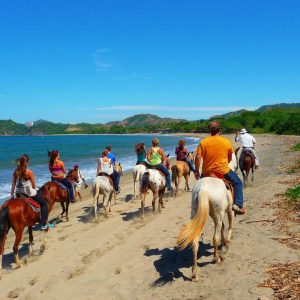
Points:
(215, 151)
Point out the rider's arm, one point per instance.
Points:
(99, 167)
(13, 185)
(198, 158)
(63, 166)
(32, 179)
(163, 155)
(149, 154)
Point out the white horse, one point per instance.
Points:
(138, 172)
(233, 164)
(209, 197)
(102, 185)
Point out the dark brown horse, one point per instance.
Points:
(247, 163)
(16, 213)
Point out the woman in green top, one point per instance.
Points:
(156, 158)
(141, 154)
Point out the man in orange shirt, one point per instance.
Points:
(216, 152)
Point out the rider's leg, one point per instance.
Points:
(162, 168)
(256, 158)
(115, 182)
(69, 185)
(237, 186)
(117, 176)
(191, 165)
(44, 207)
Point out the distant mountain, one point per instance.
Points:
(280, 118)
(234, 113)
(144, 120)
(279, 105)
(9, 127)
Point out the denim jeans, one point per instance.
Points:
(237, 186)
(44, 206)
(117, 176)
(190, 163)
(163, 169)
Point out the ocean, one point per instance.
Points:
(83, 150)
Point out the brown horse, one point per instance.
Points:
(181, 168)
(15, 213)
(247, 163)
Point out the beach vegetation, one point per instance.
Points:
(267, 119)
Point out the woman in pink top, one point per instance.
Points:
(58, 170)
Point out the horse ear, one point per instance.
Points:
(168, 155)
(192, 152)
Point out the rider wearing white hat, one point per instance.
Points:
(248, 143)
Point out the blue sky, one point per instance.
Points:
(97, 61)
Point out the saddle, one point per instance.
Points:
(219, 175)
(154, 168)
(35, 206)
(107, 176)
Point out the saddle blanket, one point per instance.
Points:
(33, 204)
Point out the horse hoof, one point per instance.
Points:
(216, 260)
(67, 219)
(195, 278)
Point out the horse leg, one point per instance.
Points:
(18, 239)
(143, 204)
(155, 195)
(30, 239)
(187, 187)
(62, 204)
(224, 246)
(160, 199)
(252, 178)
(230, 214)
(109, 202)
(195, 259)
(216, 238)
(105, 205)
(67, 210)
(95, 204)
(134, 183)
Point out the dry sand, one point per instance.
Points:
(121, 257)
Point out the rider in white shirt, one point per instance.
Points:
(248, 143)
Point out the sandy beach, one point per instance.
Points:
(122, 257)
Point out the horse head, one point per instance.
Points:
(119, 168)
(167, 162)
(191, 156)
(72, 175)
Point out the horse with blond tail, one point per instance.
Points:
(209, 197)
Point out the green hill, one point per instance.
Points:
(278, 118)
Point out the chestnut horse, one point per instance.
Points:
(181, 168)
(247, 163)
(15, 213)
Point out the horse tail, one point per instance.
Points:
(145, 182)
(195, 227)
(96, 188)
(4, 227)
(174, 174)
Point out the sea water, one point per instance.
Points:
(83, 150)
